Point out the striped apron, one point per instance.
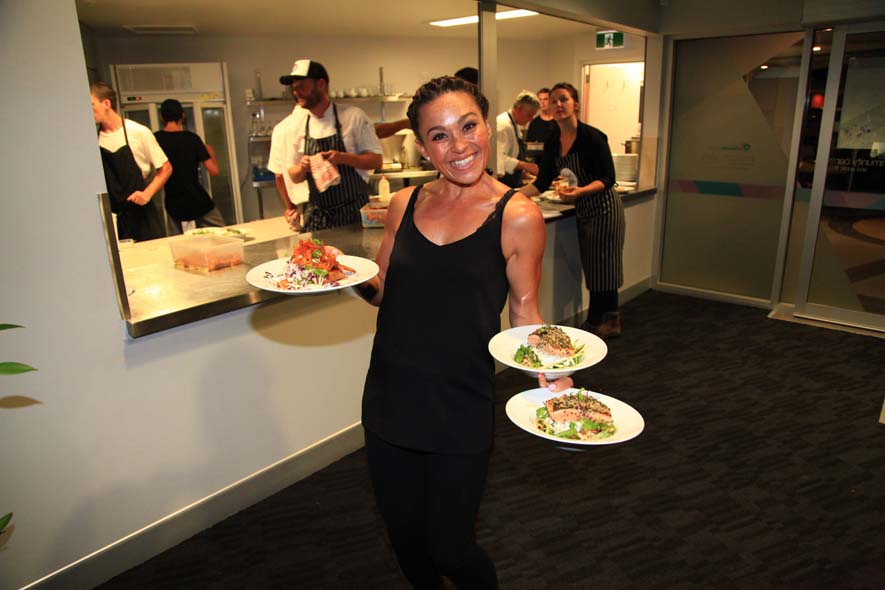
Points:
(601, 230)
(339, 204)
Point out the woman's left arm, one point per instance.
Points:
(522, 240)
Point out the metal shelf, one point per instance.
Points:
(271, 101)
(386, 98)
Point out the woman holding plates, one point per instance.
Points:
(580, 152)
(454, 251)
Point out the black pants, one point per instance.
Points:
(429, 503)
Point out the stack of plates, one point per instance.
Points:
(626, 167)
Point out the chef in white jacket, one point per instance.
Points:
(511, 145)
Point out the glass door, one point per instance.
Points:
(842, 270)
(146, 114)
(211, 125)
(732, 120)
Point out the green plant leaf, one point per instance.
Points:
(13, 368)
(13, 402)
(9, 326)
(4, 520)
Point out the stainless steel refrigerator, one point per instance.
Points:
(203, 90)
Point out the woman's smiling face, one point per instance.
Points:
(455, 137)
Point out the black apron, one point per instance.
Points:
(123, 177)
(601, 230)
(339, 204)
(514, 179)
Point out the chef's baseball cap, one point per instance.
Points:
(171, 110)
(305, 68)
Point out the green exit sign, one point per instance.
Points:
(609, 39)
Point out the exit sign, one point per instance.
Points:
(609, 39)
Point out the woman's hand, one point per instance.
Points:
(569, 193)
(560, 384)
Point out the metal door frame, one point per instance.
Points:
(803, 308)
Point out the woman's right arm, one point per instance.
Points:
(373, 289)
(546, 172)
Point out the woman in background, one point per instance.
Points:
(583, 150)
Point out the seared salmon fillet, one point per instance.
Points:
(551, 340)
(573, 408)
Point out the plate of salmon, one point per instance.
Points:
(555, 351)
(314, 267)
(575, 416)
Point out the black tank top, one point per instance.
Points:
(430, 384)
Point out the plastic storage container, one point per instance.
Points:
(373, 215)
(206, 252)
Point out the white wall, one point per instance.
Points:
(127, 432)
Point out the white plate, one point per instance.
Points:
(503, 346)
(241, 232)
(264, 276)
(522, 406)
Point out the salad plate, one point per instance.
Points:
(521, 410)
(267, 276)
(590, 349)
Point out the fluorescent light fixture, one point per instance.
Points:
(816, 48)
(467, 20)
(763, 67)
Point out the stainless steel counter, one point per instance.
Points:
(161, 295)
(156, 295)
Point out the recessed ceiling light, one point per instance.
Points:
(816, 48)
(466, 20)
(763, 67)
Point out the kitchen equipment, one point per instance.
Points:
(391, 147)
(626, 167)
(202, 88)
(410, 157)
(631, 146)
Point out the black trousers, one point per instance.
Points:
(429, 503)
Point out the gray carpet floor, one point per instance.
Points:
(762, 465)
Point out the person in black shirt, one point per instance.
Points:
(186, 199)
(543, 125)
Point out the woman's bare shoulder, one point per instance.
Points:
(520, 208)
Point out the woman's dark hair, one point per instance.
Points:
(430, 91)
(568, 88)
